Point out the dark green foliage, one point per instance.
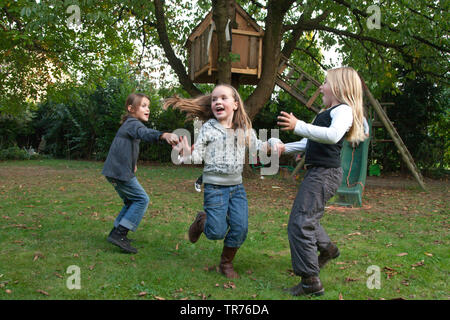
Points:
(16, 153)
(420, 115)
(15, 130)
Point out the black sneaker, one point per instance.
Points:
(119, 239)
(114, 228)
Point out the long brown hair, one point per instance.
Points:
(133, 100)
(200, 107)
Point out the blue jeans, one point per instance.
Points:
(226, 210)
(135, 201)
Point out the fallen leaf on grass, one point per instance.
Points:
(389, 272)
(42, 292)
(354, 234)
(23, 226)
(402, 254)
(229, 285)
(8, 291)
(418, 264)
(348, 279)
(37, 255)
(141, 294)
(428, 254)
(159, 298)
(340, 296)
(202, 295)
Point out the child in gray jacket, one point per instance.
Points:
(120, 166)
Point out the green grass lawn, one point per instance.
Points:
(56, 213)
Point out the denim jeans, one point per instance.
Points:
(135, 202)
(226, 210)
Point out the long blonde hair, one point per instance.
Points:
(346, 86)
(200, 107)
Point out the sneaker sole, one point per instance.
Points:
(318, 293)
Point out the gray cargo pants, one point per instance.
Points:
(305, 233)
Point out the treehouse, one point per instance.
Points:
(246, 50)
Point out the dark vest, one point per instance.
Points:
(321, 154)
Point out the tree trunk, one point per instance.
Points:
(223, 15)
(174, 62)
(276, 11)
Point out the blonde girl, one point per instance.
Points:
(341, 119)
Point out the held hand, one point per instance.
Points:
(170, 138)
(287, 121)
(183, 148)
(135, 169)
(280, 148)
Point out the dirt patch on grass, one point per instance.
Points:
(402, 182)
(29, 171)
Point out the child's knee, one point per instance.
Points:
(301, 228)
(214, 232)
(144, 199)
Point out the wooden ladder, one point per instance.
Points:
(404, 152)
(298, 83)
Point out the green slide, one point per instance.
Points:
(354, 165)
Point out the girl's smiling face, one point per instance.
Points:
(142, 111)
(328, 97)
(223, 105)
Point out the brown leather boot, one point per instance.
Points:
(308, 286)
(331, 252)
(196, 228)
(226, 265)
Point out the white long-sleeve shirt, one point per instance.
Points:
(342, 119)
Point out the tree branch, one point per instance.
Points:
(259, 5)
(298, 29)
(395, 30)
(310, 27)
(313, 58)
(174, 62)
